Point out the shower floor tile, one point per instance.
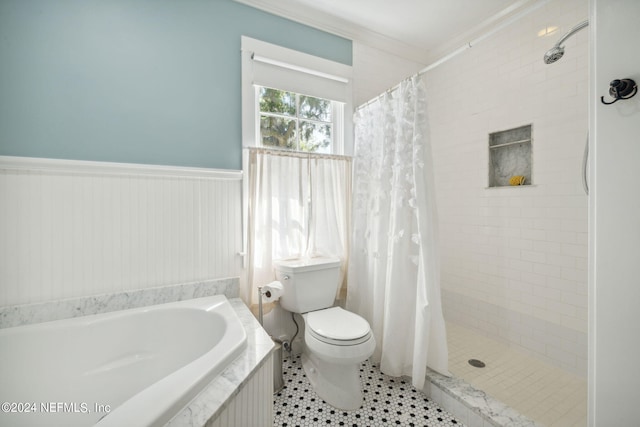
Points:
(387, 401)
(540, 391)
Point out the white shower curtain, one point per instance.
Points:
(299, 206)
(394, 279)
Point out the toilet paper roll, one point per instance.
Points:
(272, 291)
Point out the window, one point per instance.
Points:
(292, 121)
(295, 101)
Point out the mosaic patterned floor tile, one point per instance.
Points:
(388, 401)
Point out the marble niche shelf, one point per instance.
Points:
(510, 155)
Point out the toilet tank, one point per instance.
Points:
(309, 284)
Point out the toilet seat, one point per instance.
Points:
(339, 342)
(336, 326)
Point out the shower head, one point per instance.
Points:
(556, 52)
(553, 54)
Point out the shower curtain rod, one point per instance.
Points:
(462, 48)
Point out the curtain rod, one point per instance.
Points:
(461, 49)
(301, 154)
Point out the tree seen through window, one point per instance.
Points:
(293, 121)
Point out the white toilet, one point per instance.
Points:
(336, 341)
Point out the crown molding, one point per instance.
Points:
(294, 11)
(486, 28)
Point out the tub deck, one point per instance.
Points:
(202, 406)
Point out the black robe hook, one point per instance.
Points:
(621, 89)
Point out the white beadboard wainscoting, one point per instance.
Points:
(253, 405)
(75, 228)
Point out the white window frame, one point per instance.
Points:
(269, 65)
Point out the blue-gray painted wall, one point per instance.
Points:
(134, 81)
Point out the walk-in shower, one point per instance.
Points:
(515, 258)
(553, 55)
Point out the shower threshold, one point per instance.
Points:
(473, 407)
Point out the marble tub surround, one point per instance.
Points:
(473, 407)
(18, 315)
(215, 397)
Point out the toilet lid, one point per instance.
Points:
(337, 324)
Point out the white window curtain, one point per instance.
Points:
(394, 266)
(299, 206)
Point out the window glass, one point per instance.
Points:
(315, 137)
(293, 121)
(278, 132)
(277, 101)
(315, 108)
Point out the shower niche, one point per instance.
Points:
(510, 157)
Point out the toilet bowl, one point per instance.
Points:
(336, 341)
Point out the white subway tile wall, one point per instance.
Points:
(514, 259)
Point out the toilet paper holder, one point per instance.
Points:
(272, 292)
(268, 291)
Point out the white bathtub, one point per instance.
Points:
(128, 368)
